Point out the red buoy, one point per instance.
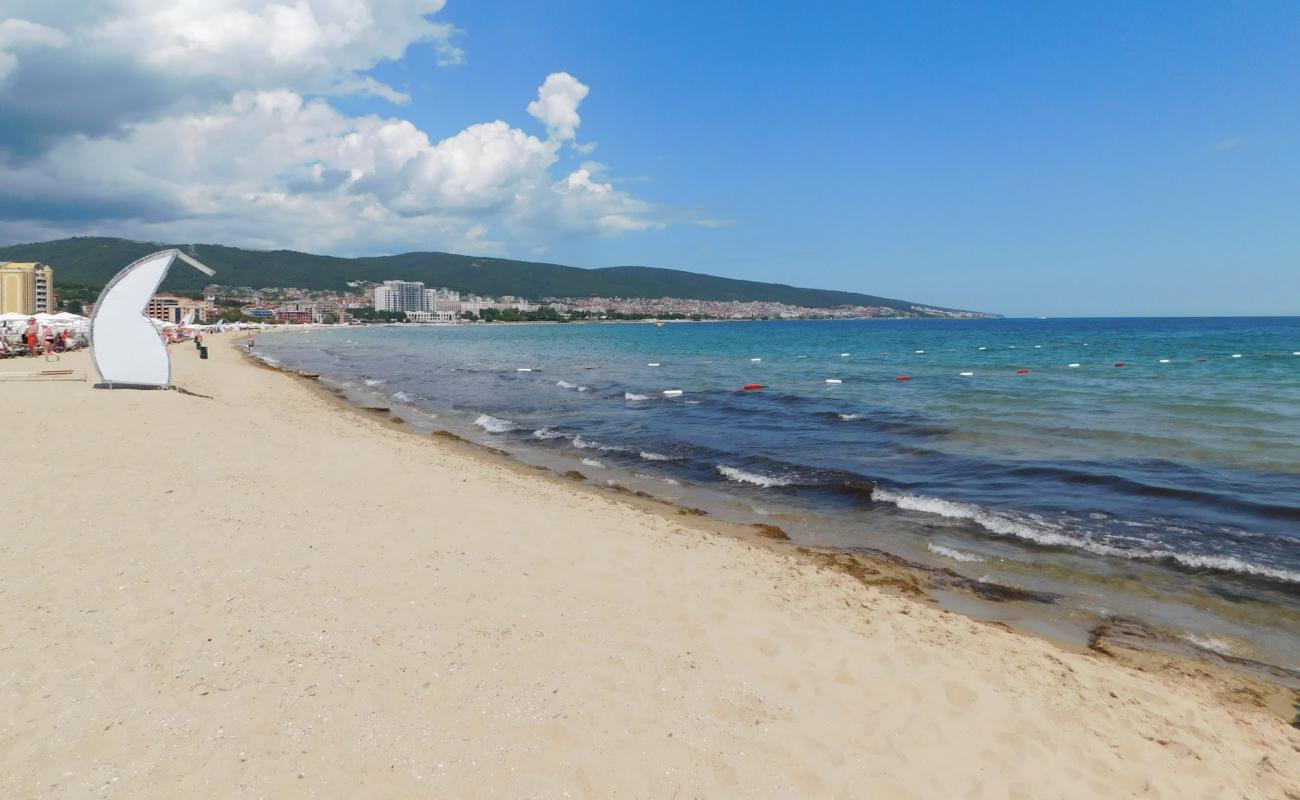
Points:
(1119, 363)
(750, 386)
(1021, 371)
(903, 378)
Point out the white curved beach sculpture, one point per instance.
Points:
(128, 350)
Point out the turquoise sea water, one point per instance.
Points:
(1137, 467)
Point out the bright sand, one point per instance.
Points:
(266, 594)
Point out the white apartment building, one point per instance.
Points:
(401, 296)
(443, 300)
(431, 316)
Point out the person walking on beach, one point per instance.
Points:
(29, 336)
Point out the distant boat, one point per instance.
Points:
(659, 324)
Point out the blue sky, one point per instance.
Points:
(1028, 159)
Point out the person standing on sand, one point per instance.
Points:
(250, 342)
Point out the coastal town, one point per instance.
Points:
(28, 288)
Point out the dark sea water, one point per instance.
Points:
(1166, 489)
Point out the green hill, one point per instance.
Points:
(92, 261)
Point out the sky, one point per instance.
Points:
(1023, 158)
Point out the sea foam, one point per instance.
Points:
(751, 478)
(493, 424)
(948, 552)
(1004, 525)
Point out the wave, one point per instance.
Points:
(1044, 534)
(566, 385)
(1142, 489)
(948, 552)
(375, 381)
(890, 422)
(1212, 643)
(591, 444)
(635, 396)
(752, 478)
(591, 462)
(493, 424)
(402, 397)
(649, 456)
(548, 433)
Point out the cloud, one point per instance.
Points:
(1228, 144)
(125, 60)
(203, 121)
(273, 168)
(556, 105)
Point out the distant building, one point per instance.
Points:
(431, 316)
(171, 308)
(401, 296)
(26, 287)
(296, 312)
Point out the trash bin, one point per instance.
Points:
(203, 352)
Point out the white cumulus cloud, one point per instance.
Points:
(200, 120)
(556, 105)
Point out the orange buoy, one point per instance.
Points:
(903, 378)
(1021, 371)
(751, 386)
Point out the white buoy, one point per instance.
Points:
(1236, 355)
(1038, 347)
(966, 374)
(523, 369)
(844, 355)
(801, 356)
(672, 392)
(1296, 353)
(1072, 366)
(919, 352)
(834, 380)
(1164, 361)
(756, 359)
(983, 348)
(653, 364)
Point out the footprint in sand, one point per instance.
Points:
(961, 697)
(766, 646)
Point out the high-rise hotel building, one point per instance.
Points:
(26, 287)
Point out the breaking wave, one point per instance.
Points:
(751, 478)
(955, 555)
(1005, 525)
(493, 424)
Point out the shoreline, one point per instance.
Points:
(1128, 641)
(263, 591)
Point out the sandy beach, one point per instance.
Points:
(251, 590)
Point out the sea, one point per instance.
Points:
(1142, 469)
